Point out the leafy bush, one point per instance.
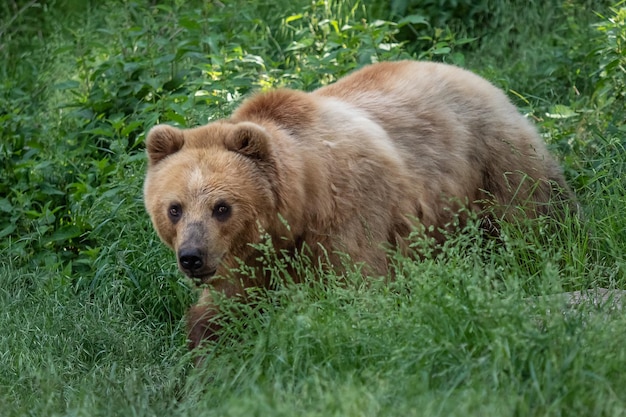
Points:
(610, 87)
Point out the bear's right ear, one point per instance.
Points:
(249, 139)
(162, 141)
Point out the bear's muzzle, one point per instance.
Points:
(193, 262)
(194, 258)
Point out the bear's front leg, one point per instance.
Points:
(201, 324)
(202, 321)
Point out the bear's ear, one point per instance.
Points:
(249, 139)
(162, 141)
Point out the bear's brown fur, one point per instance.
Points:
(349, 168)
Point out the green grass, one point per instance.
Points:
(91, 302)
(456, 335)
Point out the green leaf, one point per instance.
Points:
(441, 50)
(293, 18)
(8, 230)
(560, 111)
(67, 85)
(98, 131)
(5, 205)
(165, 59)
(414, 19)
(191, 24)
(64, 233)
(131, 127)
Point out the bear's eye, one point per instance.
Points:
(174, 212)
(221, 211)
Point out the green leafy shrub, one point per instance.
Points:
(590, 131)
(610, 88)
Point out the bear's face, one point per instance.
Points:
(205, 189)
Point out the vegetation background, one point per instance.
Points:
(91, 304)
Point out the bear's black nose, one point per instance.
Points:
(190, 259)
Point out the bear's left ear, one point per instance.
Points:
(249, 139)
(162, 141)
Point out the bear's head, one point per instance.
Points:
(207, 191)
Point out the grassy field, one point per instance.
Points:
(91, 303)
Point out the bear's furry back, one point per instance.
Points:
(356, 162)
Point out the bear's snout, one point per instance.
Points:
(192, 261)
(195, 257)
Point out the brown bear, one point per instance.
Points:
(350, 168)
